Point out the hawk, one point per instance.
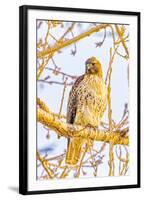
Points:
(86, 105)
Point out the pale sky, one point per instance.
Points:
(75, 65)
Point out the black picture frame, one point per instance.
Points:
(23, 96)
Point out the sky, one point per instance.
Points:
(75, 65)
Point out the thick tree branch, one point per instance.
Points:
(70, 130)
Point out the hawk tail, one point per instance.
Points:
(74, 150)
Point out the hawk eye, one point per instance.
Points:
(93, 64)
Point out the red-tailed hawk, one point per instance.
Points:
(86, 105)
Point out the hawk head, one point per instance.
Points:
(93, 66)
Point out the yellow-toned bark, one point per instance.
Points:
(70, 130)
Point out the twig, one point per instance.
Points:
(125, 164)
(116, 43)
(68, 30)
(57, 47)
(122, 39)
(45, 108)
(47, 34)
(62, 73)
(111, 155)
(55, 82)
(99, 44)
(42, 66)
(64, 173)
(43, 162)
(111, 160)
(81, 161)
(62, 99)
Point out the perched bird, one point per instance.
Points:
(86, 105)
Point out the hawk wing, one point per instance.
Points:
(72, 101)
(74, 145)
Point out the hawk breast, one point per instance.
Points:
(87, 101)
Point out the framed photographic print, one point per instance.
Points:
(79, 99)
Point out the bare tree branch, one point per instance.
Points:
(70, 130)
(57, 46)
(122, 40)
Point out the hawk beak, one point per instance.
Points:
(89, 66)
